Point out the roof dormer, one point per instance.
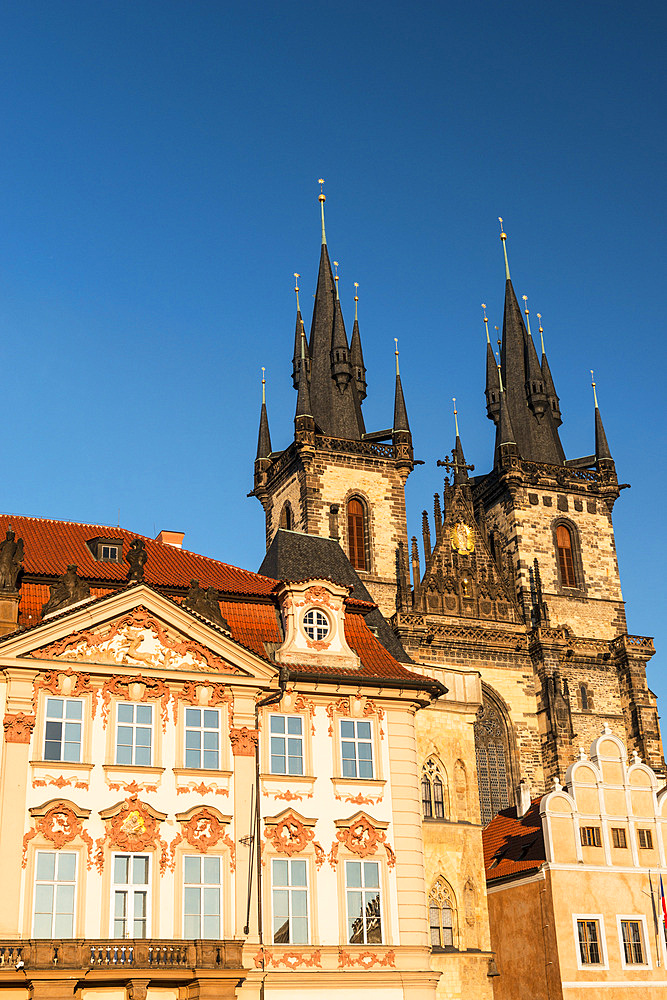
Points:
(313, 614)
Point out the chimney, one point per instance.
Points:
(523, 798)
(174, 538)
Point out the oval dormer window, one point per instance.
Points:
(316, 625)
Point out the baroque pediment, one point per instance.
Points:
(138, 638)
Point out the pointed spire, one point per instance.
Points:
(602, 452)
(341, 369)
(296, 357)
(303, 406)
(264, 437)
(549, 386)
(533, 426)
(492, 391)
(503, 240)
(400, 411)
(460, 471)
(322, 198)
(356, 354)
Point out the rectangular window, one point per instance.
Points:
(55, 885)
(134, 732)
(130, 899)
(289, 886)
(589, 942)
(590, 836)
(633, 946)
(618, 838)
(62, 729)
(645, 840)
(286, 744)
(202, 738)
(201, 897)
(109, 553)
(356, 747)
(364, 919)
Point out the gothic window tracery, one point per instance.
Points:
(442, 915)
(286, 519)
(492, 753)
(434, 790)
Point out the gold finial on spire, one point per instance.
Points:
(335, 264)
(539, 317)
(322, 198)
(396, 353)
(503, 237)
(486, 323)
(595, 395)
(296, 289)
(527, 312)
(263, 386)
(456, 419)
(356, 298)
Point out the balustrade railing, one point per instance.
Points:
(131, 953)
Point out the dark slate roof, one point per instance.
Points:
(294, 555)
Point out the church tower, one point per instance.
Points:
(521, 584)
(336, 479)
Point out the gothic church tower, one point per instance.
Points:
(335, 479)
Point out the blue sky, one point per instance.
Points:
(158, 190)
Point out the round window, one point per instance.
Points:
(316, 625)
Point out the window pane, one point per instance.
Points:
(192, 739)
(125, 713)
(54, 708)
(46, 865)
(371, 874)
(294, 726)
(143, 756)
(144, 714)
(212, 871)
(140, 870)
(349, 769)
(278, 765)
(211, 926)
(279, 872)
(192, 758)
(191, 869)
(121, 869)
(300, 930)
(355, 920)
(143, 737)
(73, 710)
(364, 730)
(211, 901)
(66, 867)
(365, 769)
(192, 717)
(277, 723)
(44, 900)
(296, 765)
(191, 925)
(298, 873)
(120, 904)
(42, 925)
(211, 718)
(192, 900)
(353, 873)
(346, 727)
(211, 759)
(211, 740)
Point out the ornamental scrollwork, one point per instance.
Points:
(60, 825)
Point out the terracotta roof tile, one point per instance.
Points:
(513, 845)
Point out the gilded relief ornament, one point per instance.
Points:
(463, 539)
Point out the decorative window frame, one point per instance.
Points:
(434, 760)
(584, 967)
(68, 684)
(139, 777)
(357, 791)
(203, 695)
(446, 885)
(152, 914)
(368, 531)
(289, 787)
(360, 838)
(290, 835)
(204, 831)
(60, 825)
(580, 589)
(296, 599)
(131, 827)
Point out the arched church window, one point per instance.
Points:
(585, 698)
(286, 520)
(565, 556)
(442, 915)
(492, 753)
(434, 790)
(356, 533)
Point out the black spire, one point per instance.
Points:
(333, 393)
(534, 429)
(492, 391)
(459, 463)
(602, 452)
(296, 357)
(356, 354)
(303, 403)
(506, 447)
(400, 411)
(264, 436)
(549, 386)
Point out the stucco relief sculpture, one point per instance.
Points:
(18, 728)
(132, 825)
(203, 829)
(290, 834)
(361, 837)
(11, 561)
(60, 824)
(136, 638)
(205, 603)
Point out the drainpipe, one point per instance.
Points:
(271, 699)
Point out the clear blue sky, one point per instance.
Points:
(158, 189)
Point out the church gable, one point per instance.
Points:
(461, 576)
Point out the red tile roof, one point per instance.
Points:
(513, 845)
(50, 546)
(247, 599)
